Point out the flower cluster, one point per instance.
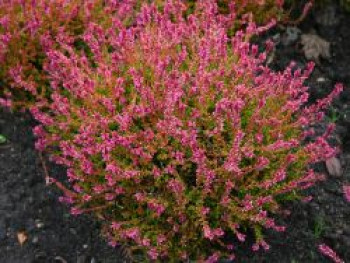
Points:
(178, 136)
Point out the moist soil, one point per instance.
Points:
(29, 208)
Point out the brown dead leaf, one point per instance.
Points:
(22, 237)
(334, 167)
(315, 47)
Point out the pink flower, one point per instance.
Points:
(262, 162)
(205, 211)
(212, 233)
(65, 199)
(346, 189)
(132, 233)
(307, 199)
(247, 203)
(158, 208)
(109, 196)
(146, 242)
(86, 197)
(208, 232)
(161, 239)
(241, 237)
(153, 253)
(98, 189)
(175, 186)
(261, 243)
(76, 211)
(140, 197)
(112, 243)
(115, 225)
(77, 188)
(119, 190)
(213, 258)
(87, 167)
(327, 251)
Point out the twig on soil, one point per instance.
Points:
(302, 16)
(50, 180)
(95, 208)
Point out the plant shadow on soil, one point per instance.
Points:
(27, 204)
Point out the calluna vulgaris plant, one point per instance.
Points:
(177, 136)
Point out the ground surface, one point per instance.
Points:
(28, 205)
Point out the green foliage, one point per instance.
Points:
(2, 139)
(319, 227)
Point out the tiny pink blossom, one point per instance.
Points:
(109, 196)
(132, 233)
(153, 253)
(161, 239)
(327, 251)
(115, 225)
(241, 237)
(205, 211)
(346, 189)
(76, 211)
(213, 258)
(86, 197)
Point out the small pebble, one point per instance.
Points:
(38, 223)
(72, 231)
(35, 240)
(59, 259)
(321, 79)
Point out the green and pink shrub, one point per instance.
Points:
(177, 136)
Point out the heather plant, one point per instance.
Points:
(177, 136)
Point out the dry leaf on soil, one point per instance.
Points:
(315, 47)
(22, 237)
(334, 167)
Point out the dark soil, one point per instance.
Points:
(28, 205)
